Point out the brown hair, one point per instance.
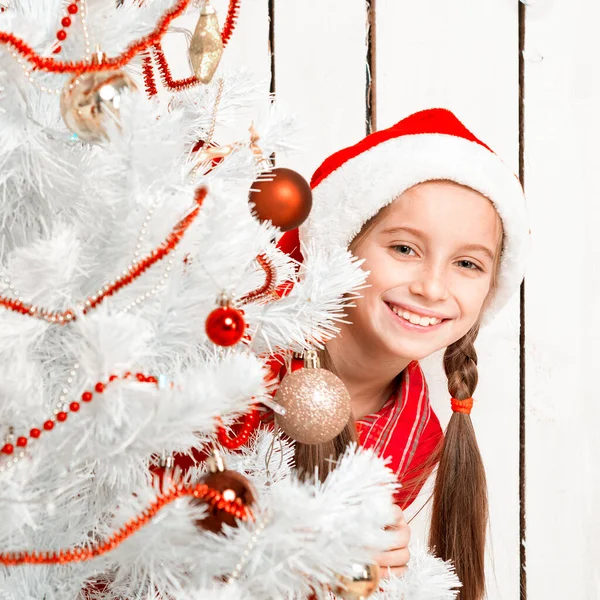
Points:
(460, 502)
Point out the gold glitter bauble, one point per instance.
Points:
(317, 404)
(363, 582)
(90, 100)
(206, 46)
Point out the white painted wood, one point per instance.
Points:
(464, 56)
(562, 128)
(320, 74)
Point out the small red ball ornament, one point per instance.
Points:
(283, 197)
(225, 325)
(233, 488)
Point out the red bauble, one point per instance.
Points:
(283, 197)
(234, 488)
(225, 326)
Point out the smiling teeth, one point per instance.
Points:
(415, 319)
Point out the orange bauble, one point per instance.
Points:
(283, 197)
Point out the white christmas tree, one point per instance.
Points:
(127, 238)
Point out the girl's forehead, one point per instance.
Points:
(443, 208)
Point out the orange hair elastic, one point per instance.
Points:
(462, 406)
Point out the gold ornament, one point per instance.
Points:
(361, 584)
(316, 402)
(206, 46)
(88, 101)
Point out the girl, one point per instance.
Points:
(441, 224)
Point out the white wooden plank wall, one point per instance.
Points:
(464, 55)
(562, 126)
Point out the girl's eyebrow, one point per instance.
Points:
(417, 232)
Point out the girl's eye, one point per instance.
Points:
(467, 264)
(403, 249)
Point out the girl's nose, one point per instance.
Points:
(430, 285)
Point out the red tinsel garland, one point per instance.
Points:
(267, 287)
(176, 85)
(79, 554)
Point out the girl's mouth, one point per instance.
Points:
(413, 321)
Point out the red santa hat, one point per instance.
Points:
(354, 184)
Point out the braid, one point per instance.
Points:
(460, 504)
(460, 364)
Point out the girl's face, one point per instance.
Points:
(431, 256)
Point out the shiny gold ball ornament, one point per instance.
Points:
(316, 402)
(363, 582)
(206, 46)
(91, 100)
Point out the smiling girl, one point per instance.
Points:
(441, 225)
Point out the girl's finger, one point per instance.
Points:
(397, 571)
(402, 538)
(394, 558)
(399, 519)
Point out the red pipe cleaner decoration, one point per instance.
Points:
(267, 287)
(149, 82)
(176, 85)
(62, 317)
(230, 21)
(79, 554)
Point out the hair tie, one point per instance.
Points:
(462, 406)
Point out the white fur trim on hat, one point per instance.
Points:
(358, 189)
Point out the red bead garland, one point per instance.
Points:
(78, 554)
(249, 425)
(66, 22)
(62, 416)
(62, 317)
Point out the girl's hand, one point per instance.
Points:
(394, 560)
